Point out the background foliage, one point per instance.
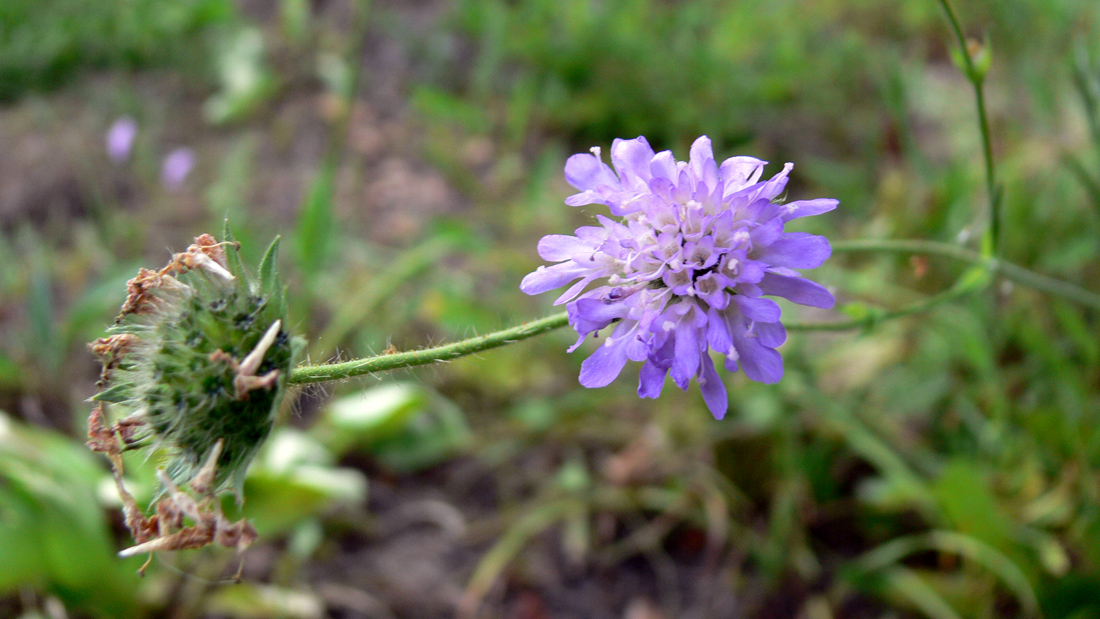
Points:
(942, 465)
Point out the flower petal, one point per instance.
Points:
(760, 363)
(796, 250)
(770, 334)
(547, 278)
(651, 379)
(587, 173)
(805, 208)
(702, 163)
(605, 364)
(559, 247)
(632, 160)
(798, 290)
(760, 310)
(714, 390)
(740, 172)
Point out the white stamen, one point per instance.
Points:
(205, 262)
(252, 362)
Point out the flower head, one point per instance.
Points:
(177, 165)
(120, 139)
(684, 269)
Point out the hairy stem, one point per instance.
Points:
(382, 363)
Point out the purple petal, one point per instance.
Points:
(605, 364)
(550, 277)
(760, 363)
(718, 333)
(702, 162)
(798, 290)
(775, 185)
(559, 247)
(767, 233)
(770, 334)
(585, 197)
(805, 208)
(576, 288)
(686, 363)
(714, 390)
(588, 315)
(588, 173)
(761, 310)
(632, 159)
(651, 379)
(739, 172)
(796, 250)
(663, 165)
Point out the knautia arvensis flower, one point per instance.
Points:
(685, 267)
(195, 367)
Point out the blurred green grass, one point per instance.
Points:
(943, 465)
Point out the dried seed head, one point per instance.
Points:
(195, 366)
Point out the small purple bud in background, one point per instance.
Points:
(177, 165)
(120, 139)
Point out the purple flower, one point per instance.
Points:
(177, 165)
(684, 269)
(120, 139)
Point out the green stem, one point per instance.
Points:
(1007, 270)
(965, 286)
(875, 316)
(382, 363)
(976, 79)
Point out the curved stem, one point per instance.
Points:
(382, 363)
(976, 78)
(875, 316)
(1007, 270)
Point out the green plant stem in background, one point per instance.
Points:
(1008, 270)
(978, 279)
(976, 75)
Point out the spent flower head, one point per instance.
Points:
(195, 366)
(685, 267)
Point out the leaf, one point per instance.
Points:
(52, 530)
(270, 284)
(114, 394)
(908, 585)
(963, 495)
(369, 416)
(951, 542)
(43, 333)
(232, 253)
(313, 237)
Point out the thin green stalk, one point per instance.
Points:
(1008, 270)
(876, 316)
(382, 363)
(976, 76)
